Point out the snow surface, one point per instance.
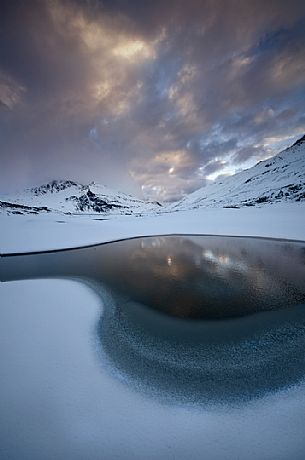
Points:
(58, 400)
(56, 231)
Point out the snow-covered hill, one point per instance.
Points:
(280, 178)
(71, 197)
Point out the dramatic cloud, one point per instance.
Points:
(155, 97)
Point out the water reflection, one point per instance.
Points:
(246, 295)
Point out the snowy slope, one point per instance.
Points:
(281, 178)
(278, 179)
(72, 197)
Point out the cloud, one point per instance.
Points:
(167, 175)
(10, 92)
(214, 166)
(150, 96)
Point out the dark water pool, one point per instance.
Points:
(191, 277)
(191, 318)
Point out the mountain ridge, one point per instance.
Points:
(71, 197)
(279, 178)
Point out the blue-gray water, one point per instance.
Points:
(189, 331)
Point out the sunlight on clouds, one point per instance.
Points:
(101, 90)
(94, 35)
(242, 61)
(173, 158)
(268, 141)
(186, 104)
(183, 99)
(125, 98)
(101, 36)
(226, 172)
(163, 177)
(163, 98)
(111, 88)
(115, 98)
(288, 69)
(181, 92)
(122, 107)
(134, 49)
(290, 137)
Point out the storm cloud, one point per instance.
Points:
(154, 98)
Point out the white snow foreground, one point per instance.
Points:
(20, 234)
(58, 397)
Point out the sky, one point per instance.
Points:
(155, 98)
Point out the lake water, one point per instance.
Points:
(163, 336)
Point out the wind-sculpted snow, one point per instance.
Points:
(278, 179)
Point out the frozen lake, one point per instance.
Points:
(161, 347)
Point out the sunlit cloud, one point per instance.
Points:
(167, 175)
(134, 49)
(156, 101)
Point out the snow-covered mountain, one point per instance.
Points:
(280, 178)
(72, 197)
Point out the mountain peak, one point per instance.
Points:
(54, 186)
(69, 196)
(280, 178)
(299, 141)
